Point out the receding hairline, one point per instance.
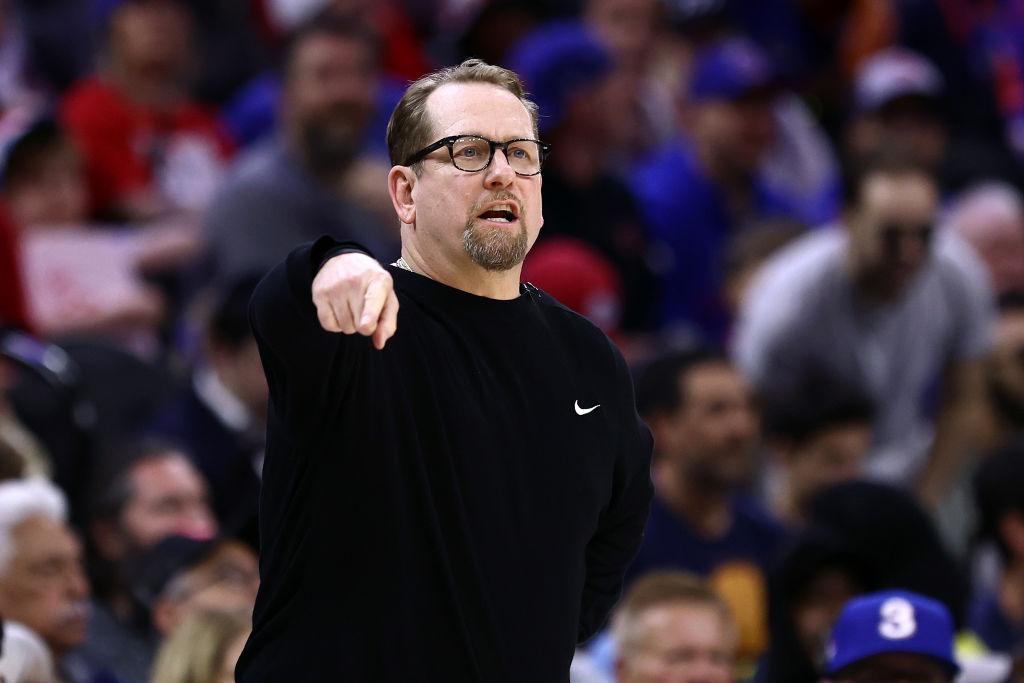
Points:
(432, 120)
(666, 589)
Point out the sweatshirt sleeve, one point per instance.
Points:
(295, 350)
(620, 527)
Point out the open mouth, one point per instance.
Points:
(501, 213)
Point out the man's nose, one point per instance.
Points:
(499, 173)
(912, 249)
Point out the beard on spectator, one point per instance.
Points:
(331, 140)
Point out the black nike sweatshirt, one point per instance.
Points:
(460, 506)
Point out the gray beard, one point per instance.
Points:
(495, 249)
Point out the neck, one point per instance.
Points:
(465, 275)
(704, 508)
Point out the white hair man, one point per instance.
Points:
(42, 582)
(990, 217)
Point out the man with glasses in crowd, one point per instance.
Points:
(885, 306)
(453, 493)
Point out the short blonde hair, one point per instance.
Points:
(195, 650)
(657, 589)
(409, 129)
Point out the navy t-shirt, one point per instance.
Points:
(736, 563)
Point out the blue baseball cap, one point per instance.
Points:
(731, 68)
(556, 61)
(891, 621)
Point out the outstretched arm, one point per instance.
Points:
(353, 294)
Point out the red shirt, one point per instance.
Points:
(129, 148)
(13, 311)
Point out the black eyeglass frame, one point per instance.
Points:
(449, 142)
(892, 234)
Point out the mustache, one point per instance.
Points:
(499, 196)
(74, 610)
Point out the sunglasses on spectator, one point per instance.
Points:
(894, 234)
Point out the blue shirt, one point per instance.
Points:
(671, 543)
(986, 618)
(690, 225)
(735, 564)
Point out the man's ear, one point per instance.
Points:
(401, 181)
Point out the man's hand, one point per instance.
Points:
(353, 293)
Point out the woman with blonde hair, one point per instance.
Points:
(204, 648)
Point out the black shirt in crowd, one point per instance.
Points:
(460, 506)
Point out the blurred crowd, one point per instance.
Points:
(801, 220)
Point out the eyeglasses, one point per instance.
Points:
(473, 153)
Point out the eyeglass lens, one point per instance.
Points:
(894, 234)
(474, 154)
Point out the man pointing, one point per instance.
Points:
(453, 493)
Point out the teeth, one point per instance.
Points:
(499, 219)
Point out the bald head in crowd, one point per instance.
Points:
(42, 581)
(671, 628)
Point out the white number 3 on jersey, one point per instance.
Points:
(896, 619)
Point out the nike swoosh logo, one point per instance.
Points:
(584, 411)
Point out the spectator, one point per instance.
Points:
(705, 426)
(896, 99)
(84, 278)
(148, 148)
(23, 90)
(892, 636)
(42, 581)
(403, 55)
(568, 71)
(820, 442)
(809, 585)
(627, 27)
(990, 217)
(671, 626)
(25, 657)
(297, 186)
(203, 649)
(696, 192)
(580, 277)
(818, 43)
(893, 538)
(155, 494)
(748, 250)
(997, 614)
(13, 307)
(879, 307)
(1004, 371)
(179, 576)
(220, 418)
